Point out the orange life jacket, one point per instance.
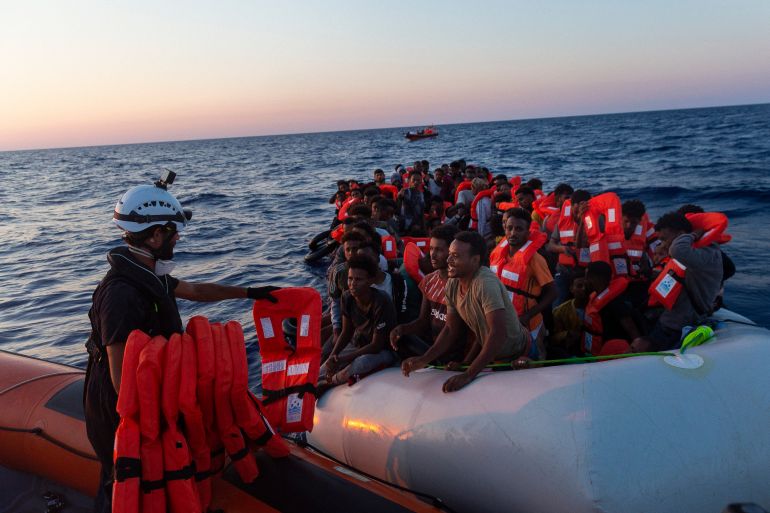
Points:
(128, 467)
(346, 206)
(289, 375)
(513, 270)
(546, 208)
(488, 193)
(506, 205)
(539, 194)
(665, 289)
(465, 184)
(593, 330)
(627, 254)
(604, 207)
(499, 252)
(423, 243)
(390, 191)
(199, 329)
(515, 182)
(228, 430)
(193, 426)
(149, 373)
(179, 471)
(714, 224)
(338, 233)
(568, 229)
(412, 256)
(246, 408)
(389, 247)
(608, 207)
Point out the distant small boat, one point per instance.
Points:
(425, 133)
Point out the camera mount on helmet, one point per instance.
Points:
(166, 178)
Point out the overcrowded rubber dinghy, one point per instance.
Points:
(681, 433)
(46, 460)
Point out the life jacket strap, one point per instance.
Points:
(126, 468)
(263, 438)
(239, 455)
(522, 292)
(182, 474)
(270, 396)
(151, 486)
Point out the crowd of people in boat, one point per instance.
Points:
(462, 268)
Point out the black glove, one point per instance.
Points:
(257, 293)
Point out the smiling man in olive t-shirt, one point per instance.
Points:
(476, 301)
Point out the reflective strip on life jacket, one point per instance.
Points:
(178, 468)
(593, 330)
(247, 409)
(389, 248)
(149, 374)
(194, 428)
(421, 242)
(668, 285)
(128, 468)
(289, 375)
(228, 431)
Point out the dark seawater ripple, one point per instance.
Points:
(258, 200)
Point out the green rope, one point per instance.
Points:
(566, 360)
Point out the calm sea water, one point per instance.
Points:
(258, 200)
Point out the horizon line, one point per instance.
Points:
(171, 141)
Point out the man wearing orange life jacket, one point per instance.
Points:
(607, 315)
(728, 266)
(548, 208)
(699, 286)
(570, 242)
(525, 274)
(525, 197)
(425, 329)
(634, 258)
(481, 207)
(137, 293)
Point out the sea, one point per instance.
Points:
(258, 200)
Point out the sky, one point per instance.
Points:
(79, 73)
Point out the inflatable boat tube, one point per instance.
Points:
(323, 250)
(318, 240)
(643, 434)
(43, 440)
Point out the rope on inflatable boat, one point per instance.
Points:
(582, 359)
(434, 501)
(45, 436)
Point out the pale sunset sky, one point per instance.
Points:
(76, 73)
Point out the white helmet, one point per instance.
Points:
(149, 205)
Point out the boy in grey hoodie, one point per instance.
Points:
(703, 281)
